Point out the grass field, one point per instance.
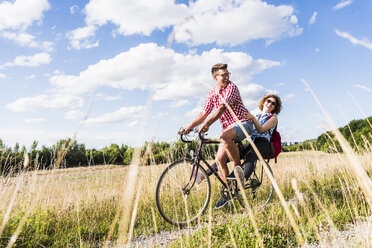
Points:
(89, 206)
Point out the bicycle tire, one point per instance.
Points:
(175, 205)
(258, 194)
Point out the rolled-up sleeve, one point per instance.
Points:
(209, 103)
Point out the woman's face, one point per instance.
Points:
(269, 105)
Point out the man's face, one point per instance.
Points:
(221, 77)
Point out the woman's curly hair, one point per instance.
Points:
(278, 105)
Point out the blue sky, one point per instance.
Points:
(125, 71)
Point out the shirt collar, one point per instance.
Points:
(218, 89)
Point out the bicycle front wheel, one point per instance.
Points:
(179, 198)
(258, 188)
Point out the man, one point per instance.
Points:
(225, 97)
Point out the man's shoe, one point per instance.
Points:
(221, 203)
(231, 176)
(239, 174)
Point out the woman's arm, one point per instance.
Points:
(262, 128)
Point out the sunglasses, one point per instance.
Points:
(224, 75)
(271, 102)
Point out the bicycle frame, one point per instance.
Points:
(199, 158)
(184, 192)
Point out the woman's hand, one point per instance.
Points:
(249, 116)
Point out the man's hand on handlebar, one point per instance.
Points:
(185, 130)
(203, 128)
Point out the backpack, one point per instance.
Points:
(275, 140)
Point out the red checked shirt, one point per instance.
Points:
(232, 97)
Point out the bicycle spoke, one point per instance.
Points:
(258, 189)
(175, 203)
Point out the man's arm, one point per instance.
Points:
(215, 116)
(199, 119)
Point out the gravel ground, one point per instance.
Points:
(161, 239)
(356, 235)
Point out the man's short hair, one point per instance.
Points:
(217, 67)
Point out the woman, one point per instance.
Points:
(264, 125)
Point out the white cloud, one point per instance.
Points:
(179, 103)
(135, 17)
(313, 18)
(11, 135)
(82, 38)
(113, 98)
(317, 50)
(30, 61)
(2, 76)
(20, 14)
(121, 115)
(258, 19)
(169, 75)
(192, 24)
(74, 114)
(342, 4)
(281, 84)
(45, 102)
(161, 115)
(288, 97)
(73, 9)
(363, 42)
(194, 112)
(34, 120)
(136, 124)
(251, 94)
(362, 87)
(27, 40)
(32, 76)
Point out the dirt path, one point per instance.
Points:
(356, 235)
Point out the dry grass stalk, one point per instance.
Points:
(306, 209)
(127, 199)
(360, 108)
(359, 172)
(352, 136)
(232, 237)
(11, 204)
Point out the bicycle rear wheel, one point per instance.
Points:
(258, 188)
(178, 198)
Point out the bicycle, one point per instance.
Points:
(181, 196)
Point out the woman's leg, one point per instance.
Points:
(249, 163)
(263, 147)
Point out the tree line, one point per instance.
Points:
(67, 153)
(358, 133)
(64, 154)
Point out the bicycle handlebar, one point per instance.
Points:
(201, 137)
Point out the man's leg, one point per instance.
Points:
(221, 160)
(227, 139)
